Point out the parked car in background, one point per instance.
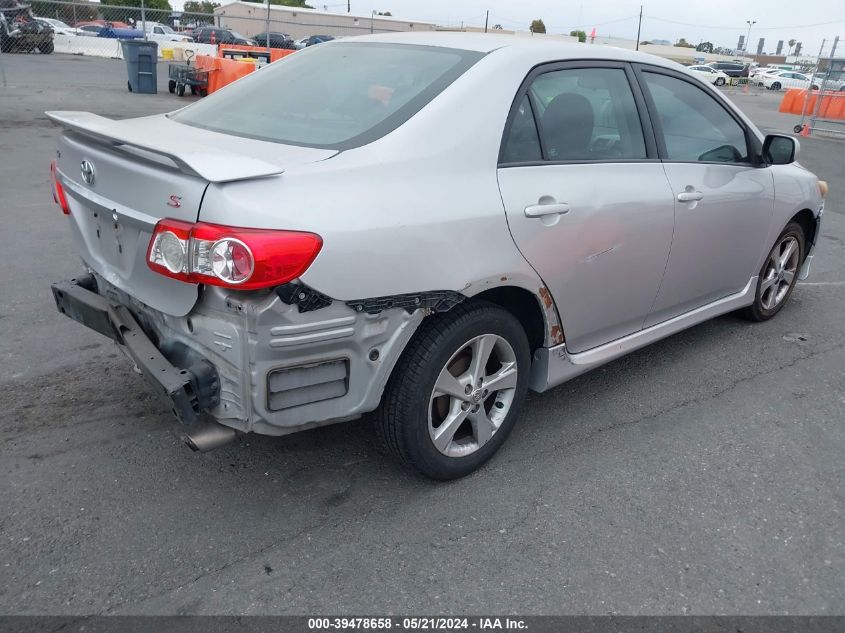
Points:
(830, 84)
(243, 250)
(757, 76)
(276, 40)
(20, 32)
(120, 34)
(788, 79)
(216, 35)
(59, 27)
(164, 33)
(91, 30)
(318, 39)
(709, 75)
(731, 69)
(300, 43)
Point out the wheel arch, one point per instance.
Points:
(534, 310)
(809, 224)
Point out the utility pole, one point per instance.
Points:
(486, 19)
(750, 23)
(639, 26)
(349, 6)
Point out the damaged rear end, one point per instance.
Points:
(211, 314)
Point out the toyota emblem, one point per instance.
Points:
(87, 171)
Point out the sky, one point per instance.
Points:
(717, 21)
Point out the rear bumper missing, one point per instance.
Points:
(188, 391)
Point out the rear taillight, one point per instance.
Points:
(59, 196)
(228, 256)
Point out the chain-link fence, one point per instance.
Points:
(91, 28)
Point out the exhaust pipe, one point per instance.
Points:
(206, 437)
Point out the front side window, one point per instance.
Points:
(347, 94)
(695, 127)
(582, 114)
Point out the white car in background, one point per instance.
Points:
(764, 70)
(59, 27)
(787, 79)
(164, 33)
(709, 75)
(830, 84)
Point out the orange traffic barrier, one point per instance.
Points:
(832, 103)
(222, 72)
(253, 51)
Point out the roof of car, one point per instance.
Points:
(488, 42)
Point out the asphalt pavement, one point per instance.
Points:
(704, 474)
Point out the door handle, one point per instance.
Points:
(690, 195)
(546, 208)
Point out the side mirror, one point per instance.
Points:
(779, 149)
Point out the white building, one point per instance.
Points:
(251, 18)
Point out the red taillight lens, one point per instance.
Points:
(59, 196)
(228, 256)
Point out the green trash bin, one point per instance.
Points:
(141, 60)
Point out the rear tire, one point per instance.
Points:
(720, 81)
(778, 276)
(46, 48)
(775, 86)
(447, 436)
(171, 86)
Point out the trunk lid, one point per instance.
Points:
(121, 177)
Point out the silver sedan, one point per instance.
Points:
(436, 224)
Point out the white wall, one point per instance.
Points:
(108, 47)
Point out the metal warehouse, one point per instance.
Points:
(250, 18)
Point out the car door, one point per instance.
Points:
(587, 201)
(724, 201)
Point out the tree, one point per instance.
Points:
(791, 44)
(645, 43)
(581, 35)
(162, 5)
(684, 44)
(497, 27)
(537, 26)
(705, 47)
(387, 14)
(200, 6)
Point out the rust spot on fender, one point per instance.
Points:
(557, 335)
(546, 297)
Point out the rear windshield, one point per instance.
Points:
(338, 95)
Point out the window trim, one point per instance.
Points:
(649, 137)
(752, 144)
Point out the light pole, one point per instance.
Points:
(750, 23)
(372, 20)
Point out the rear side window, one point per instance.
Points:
(522, 145)
(695, 127)
(581, 114)
(336, 96)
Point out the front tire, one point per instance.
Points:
(46, 48)
(456, 392)
(779, 274)
(775, 86)
(720, 81)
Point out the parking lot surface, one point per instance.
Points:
(703, 474)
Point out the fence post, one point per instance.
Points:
(824, 82)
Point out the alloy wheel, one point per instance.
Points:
(781, 268)
(472, 395)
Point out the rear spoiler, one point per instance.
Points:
(190, 157)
